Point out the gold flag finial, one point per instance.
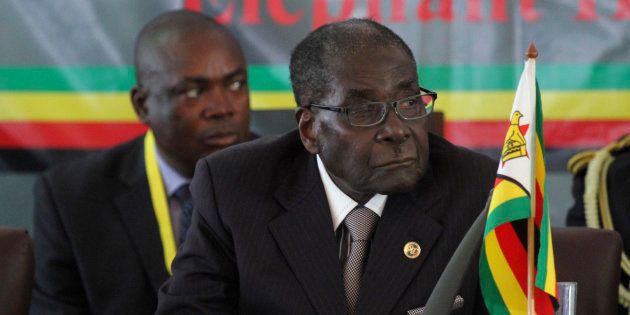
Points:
(532, 52)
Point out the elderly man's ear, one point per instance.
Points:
(308, 129)
(139, 97)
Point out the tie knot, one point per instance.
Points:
(361, 222)
(182, 194)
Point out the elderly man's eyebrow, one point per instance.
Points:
(359, 93)
(408, 83)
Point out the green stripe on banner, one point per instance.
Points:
(66, 78)
(511, 210)
(276, 77)
(489, 288)
(269, 78)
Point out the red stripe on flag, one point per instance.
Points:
(193, 5)
(67, 135)
(538, 215)
(515, 255)
(543, 304)
(558, 134)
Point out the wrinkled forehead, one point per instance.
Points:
(380, 70)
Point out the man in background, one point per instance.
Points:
(106, 227)
(356, 212)
(601, 194)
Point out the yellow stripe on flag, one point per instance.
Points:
(540, 169)
(550, 283)
(509, 288)
(503, 192)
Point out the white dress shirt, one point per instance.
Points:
(172, 182)
(341, 204)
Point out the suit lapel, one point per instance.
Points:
(306, 238)
(404, 219)
(136, 211)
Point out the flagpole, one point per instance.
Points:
(532, 53)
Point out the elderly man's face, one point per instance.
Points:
(198, 98)
(387, 158)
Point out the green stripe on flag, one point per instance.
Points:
(539, 120)
(543, 251)
(491, 295)
(511, 210)
(276, 77)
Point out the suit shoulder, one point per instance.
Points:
(619, 151)
(442, 152)
(578, 162)
(96, 166)
(261, 152)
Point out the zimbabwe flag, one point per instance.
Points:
(519, 188)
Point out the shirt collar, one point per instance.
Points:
(171, 178)
(341, 204)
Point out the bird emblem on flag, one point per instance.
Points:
(514, 145)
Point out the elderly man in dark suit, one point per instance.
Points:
(107, 226)
(356, 212)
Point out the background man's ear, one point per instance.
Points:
(139, 97)
(307, 126)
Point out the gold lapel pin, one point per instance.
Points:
(412, 250)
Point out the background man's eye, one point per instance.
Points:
(236, 85)
(193, 93)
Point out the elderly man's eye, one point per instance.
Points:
(236, 85)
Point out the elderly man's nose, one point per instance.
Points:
(393, 129)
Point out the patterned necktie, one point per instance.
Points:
(360, 222)
(182, 194)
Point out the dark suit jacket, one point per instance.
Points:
(618, 184)
(97, 244)
(262, 241)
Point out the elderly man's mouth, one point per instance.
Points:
(398, 163)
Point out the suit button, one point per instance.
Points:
(412, 250)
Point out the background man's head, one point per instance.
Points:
(351, 63)
(191, 87)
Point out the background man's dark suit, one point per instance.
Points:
(262, 241)
(94, 217)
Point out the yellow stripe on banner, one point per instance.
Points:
(67, 107)
(503, 192)
(159, 200)
(565, 105)
(272, 100)
(457, 106)
(513, 296)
